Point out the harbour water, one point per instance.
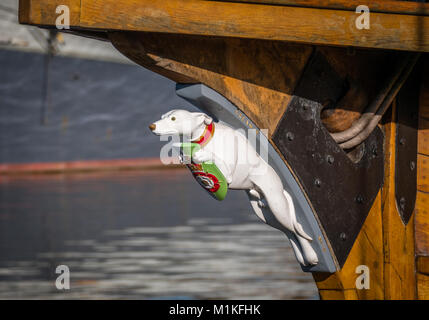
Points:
(139, 235)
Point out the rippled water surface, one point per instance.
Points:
(139, 235)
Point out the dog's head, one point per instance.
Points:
(180, 122)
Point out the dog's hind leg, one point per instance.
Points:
(296, 248)
(272, 191)
(310, 255)
(298, 227)
(282, 208)
(255, 202)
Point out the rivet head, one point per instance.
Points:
(290, 136)
(343, 236)
(412, 165)
(359, 199)
(330, 159)
(317, 183)
(402, 141)
(402, 202)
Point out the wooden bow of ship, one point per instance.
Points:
(368, 186)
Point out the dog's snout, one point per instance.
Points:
(152, 127)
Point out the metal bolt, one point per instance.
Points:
(343, 236)
(317, 183)
(412, 165)
(359, 199)
(402, 203)
(290, 136)
(402, 141)
(330, 159)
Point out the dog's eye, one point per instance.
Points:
(173, 118)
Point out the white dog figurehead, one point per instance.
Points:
(182, 123)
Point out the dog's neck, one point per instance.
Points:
(205, 134)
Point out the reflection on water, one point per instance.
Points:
(137, 235)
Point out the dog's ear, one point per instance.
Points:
(204, 118)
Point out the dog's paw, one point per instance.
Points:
(202, 156)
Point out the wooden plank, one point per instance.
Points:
(423, 136)
(423, 264)
(423, 286)
(422, 224)
(422, 201)
(211, 18)
(423, 172)
(398, 239)
(243, 20)
(385, 6)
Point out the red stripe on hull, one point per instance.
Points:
(90, 165)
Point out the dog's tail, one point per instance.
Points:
(297, 226)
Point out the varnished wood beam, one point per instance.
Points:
(385, 6)
(242, 20)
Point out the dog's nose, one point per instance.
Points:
(152, 127)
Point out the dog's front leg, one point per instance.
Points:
(255, 202)
(204, 156)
